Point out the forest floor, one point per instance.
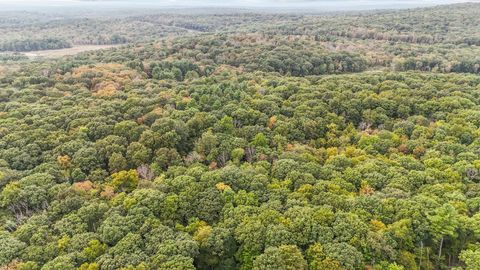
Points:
(67, 51)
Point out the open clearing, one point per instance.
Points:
(67, 51)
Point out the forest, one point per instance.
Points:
(242, 140)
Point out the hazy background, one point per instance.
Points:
(317, 5)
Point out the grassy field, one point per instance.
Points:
(67, 51)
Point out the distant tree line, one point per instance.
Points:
(436, 64)
(12, 57)
(26, 45)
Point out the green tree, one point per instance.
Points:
(125, 181)
(116, 163)
(138, 154)
(444, 223)
(10, 248)
(471, 258)
(282, 258)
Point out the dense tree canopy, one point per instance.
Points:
(247, 149)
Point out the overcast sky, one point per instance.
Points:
(328, 5)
